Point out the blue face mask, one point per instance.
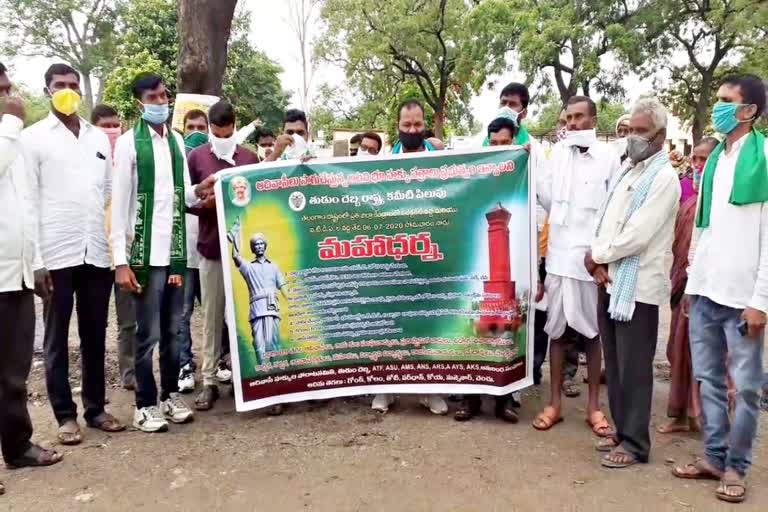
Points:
(155, 114)
(724, 117)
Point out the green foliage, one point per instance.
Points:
(80, 32)
(36, 106)
(149, 43)
(562, 39)
(712, 34)
(252, 84)
(389, 46)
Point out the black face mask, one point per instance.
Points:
(411, 141)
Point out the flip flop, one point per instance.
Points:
(722, 489)
(106, 423)
(695, 470)
(547, 419)
(606, 445)
(599, 425)
(69, 433)
(608, 463)
(35, 457)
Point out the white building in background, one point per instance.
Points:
(678, 136)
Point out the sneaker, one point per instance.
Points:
(149, 419)
(435, 403)
(186, 379)
(223, 374)
(381, 403)
(176, 409)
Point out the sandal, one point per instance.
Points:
(599, 425)
(609, 461)
(206, 398)
(106, 423)
(547, 419)
(606, 444)
(728, 483)
(35, 457)
(571, 389)
(505, 409)
(468, 408)
(69, 433)
(696, 470)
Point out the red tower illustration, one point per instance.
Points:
(494, 311)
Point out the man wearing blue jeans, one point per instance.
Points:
(728, 286)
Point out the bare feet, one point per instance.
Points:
(679, 424)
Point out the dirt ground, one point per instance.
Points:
(345, 457)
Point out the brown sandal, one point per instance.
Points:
(35, 457)
(69, 433)
(106, 423)
(599, 425)
(547, 419)
(696, 470)
(725, 484)
(629, 459)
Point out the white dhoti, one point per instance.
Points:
(571, 303)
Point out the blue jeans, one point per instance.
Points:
(158, 316)
(714, 335)
(191, 292)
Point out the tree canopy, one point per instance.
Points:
(387, 46)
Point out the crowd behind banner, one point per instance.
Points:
(93, 209)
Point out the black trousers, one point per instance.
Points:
(629, 349)
(91, 286)
(17, 339)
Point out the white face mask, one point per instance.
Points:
(361, 153)
(224, 149)
(581, 138)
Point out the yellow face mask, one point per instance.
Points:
(66, 101)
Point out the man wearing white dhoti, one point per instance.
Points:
(572, 186)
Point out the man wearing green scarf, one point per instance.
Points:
(150, 192)
(728, 286)
(513, 104)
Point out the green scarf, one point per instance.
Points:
(750, 179)
(521, 138)
(145, 196)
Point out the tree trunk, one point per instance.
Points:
(438, 122)
(701, 109)
(204, 30)
(87, 91)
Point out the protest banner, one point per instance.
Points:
(185, 102)
(403, 274)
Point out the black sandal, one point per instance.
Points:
(206, 398)
(505, 409)
(35, 457)
(468, 408)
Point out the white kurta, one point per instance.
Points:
(571, 291)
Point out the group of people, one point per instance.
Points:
(92, 208)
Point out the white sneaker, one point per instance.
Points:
(149, 419)
(435, 403)
(186, 379)
(382, 403)
(176, 409)
(223, 374)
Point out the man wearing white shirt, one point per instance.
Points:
(571, 186)
(148, 234)
(630, 259)
(19, 256)
(71, 175)
(728, 285)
